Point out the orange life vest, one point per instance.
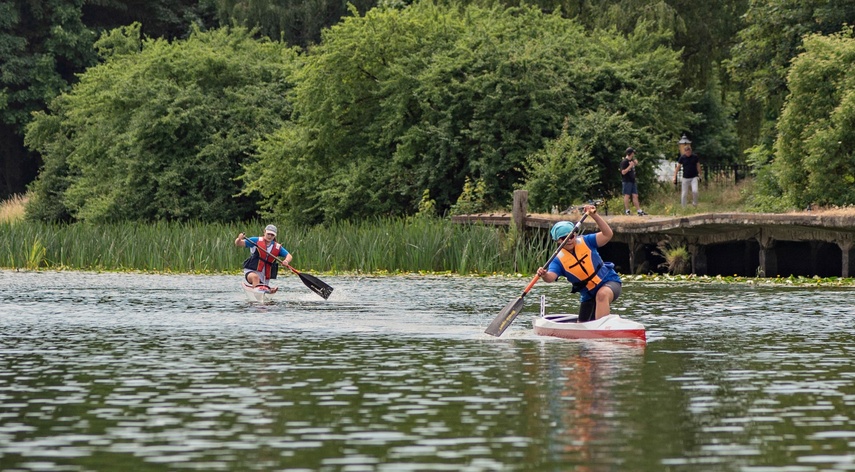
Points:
(580, 264)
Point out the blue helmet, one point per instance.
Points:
(561, 229)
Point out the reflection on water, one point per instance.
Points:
(148, 372)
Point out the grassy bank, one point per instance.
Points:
(414, 245)
(664, 199)
(377, 246)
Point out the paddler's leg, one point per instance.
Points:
(252, 278)
(586, 310)
(605, 295)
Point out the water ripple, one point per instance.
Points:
(108, 371)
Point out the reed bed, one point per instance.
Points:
(427, 245)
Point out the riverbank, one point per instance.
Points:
(381, 246)
(791, 281)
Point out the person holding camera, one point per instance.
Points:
(630, 187)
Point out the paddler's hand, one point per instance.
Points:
(590, 209)
(541, 271)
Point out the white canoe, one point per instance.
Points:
(258, 294)
(607, 327)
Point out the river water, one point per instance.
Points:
(102, 372)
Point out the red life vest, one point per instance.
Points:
(262, 259)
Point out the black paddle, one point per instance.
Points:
(507, 315)
(314, 284)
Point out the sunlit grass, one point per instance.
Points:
(664, 199)
(12, 209)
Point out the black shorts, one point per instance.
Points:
(587, 309)
(630, 188)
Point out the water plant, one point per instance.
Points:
(678, 261)
(36, 255)
(382, 245)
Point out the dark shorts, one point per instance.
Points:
(629, 188)
(587, 310)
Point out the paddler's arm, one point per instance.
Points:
(606, 233)
(241, 240)
(547, 276)
(287, 258)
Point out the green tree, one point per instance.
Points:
(42, 44)
(168, 19)
(297, 22)
(400, 101)
(703, 33)
(561, 174)
(760, 61)
(815, 159)
(161, 131)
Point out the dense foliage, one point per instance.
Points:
(400, 101)
(816, 142)
(42, 44)
(297, 22)
(771, 38)
(703, 32)
(160, 130)
(560, 174)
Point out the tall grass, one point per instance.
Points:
(12, 209)
(375, 246)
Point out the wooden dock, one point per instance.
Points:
(749, 244)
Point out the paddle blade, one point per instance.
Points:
(316, 285)
(505, 317)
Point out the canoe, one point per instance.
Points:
(257, 294)
(566, 326)
(607, 327)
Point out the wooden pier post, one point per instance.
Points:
(520, 209)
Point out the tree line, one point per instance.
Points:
(318, 111)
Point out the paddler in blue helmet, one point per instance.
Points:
(261, 266)
(596, 281)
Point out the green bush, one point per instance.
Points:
(161, 130)
(403, 100)
(559, 175)
(815, 159)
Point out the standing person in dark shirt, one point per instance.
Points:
(691, 165)
(630, 187)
